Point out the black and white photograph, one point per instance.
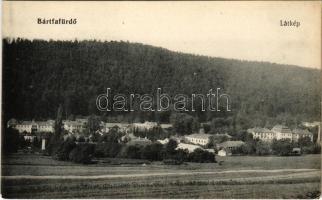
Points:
(161, 100)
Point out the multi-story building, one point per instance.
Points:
(47, 126)
(262, 134)
(189, 147)
(166, 126)
(26, 126)
(282, 132)
(34, 126)
(279, 132)
(198, 138)
(144, 126)
(73, 126)
(121, 127)
(230, 145)
(298, 133)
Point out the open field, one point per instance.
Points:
(34, 176)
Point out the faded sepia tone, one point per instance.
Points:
(186, 100)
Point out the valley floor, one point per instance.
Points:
(35, 176)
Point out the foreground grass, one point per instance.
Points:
(161, 189)
(190, 184)
(42, 165)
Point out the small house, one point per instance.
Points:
(224, 152)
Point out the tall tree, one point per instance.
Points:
(59, 121)
(56, 139)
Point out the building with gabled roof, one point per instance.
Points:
(279, 132)
(166, 126)
(122, 127)
(230, 145)
(298, 133)
(282, 132)
(198, 138)
(46, 126)
(144, 126)
(73, 126)
(26, 126)
(262, 133)
(189, 147)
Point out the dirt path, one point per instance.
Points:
(297, 172)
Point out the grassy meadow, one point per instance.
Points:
(36, 176)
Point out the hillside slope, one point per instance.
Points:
(39, 75)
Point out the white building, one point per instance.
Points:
(311, 124)
(122, 127)
(33, 126)
(73, 126)
(230, 145)
(189, 147)
(279, 132)
(144, 126)
(262, 134)
(224, 152)
(26, 126)
(166, 126)
(298, 133)
(165, 141)
(198, 138)
(282, 132)
(47, 126)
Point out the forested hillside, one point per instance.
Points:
(39, 75)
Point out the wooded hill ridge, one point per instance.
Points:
(39, 75)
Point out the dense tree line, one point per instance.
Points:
(40, 75)
(70, 150)
(283, 147)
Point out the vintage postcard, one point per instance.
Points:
(161, 99)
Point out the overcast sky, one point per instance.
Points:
(241, 30)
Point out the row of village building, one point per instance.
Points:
(278, 132)
(77, 126)
(187, 142)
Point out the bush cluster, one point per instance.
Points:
(168, 152)
(84, 152)
(78, 153)
(283, 147)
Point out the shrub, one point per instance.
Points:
(172, 162)
(152, 152)
(282, 147)
(10, 140)
(82, 153)
(181, 155)
(199, 155)
(132, 151)
(107, 149)
(262, 148)
(64, 149)
(312, 149)
(170, 148)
